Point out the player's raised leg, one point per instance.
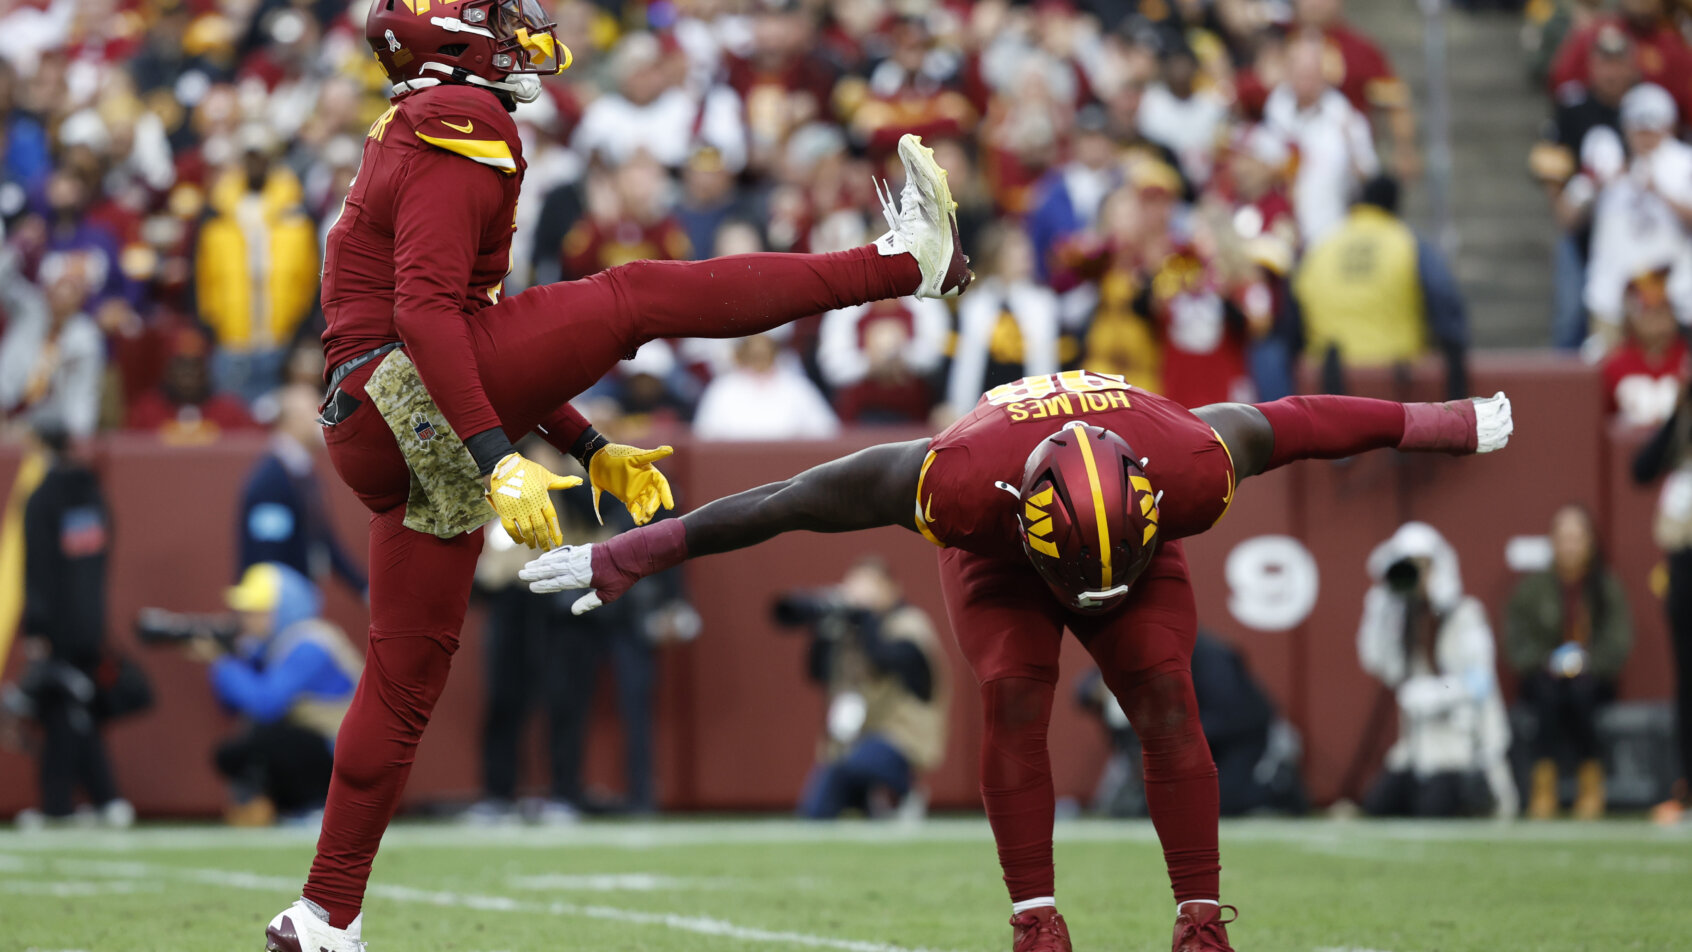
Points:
(1144, 652)
(539, 348)
(1264, 436)
(1011, 631)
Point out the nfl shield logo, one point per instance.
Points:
(424, 429)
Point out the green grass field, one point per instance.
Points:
(1315, 886)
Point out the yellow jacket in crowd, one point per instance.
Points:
(256, 268)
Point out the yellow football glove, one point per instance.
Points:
(518, 490)
(627, 473)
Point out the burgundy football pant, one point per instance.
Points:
(1011, 630)
(534, 352)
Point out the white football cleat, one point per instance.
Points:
(925, 223)
(1493, 423)
(304, 927)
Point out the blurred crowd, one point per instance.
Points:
(1192, 193)
(1619, 177)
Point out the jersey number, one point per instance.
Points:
(1070, 381)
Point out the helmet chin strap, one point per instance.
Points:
(523, 87)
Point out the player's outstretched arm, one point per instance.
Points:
(1264, 436)
(871, 488)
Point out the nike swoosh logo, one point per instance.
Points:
(928, 511)
(466, 128)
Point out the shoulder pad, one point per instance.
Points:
(466, 121)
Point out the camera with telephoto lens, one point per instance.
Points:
(822, 611)
(159, 626)
(1404, 576)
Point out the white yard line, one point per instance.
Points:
(137, 875)
(703, 833)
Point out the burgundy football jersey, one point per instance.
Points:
(960, 502)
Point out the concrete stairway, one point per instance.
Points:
(1504, 230)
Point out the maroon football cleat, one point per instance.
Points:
(1039, 930)
(1200, 928)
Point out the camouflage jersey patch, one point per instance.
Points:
(447, 498)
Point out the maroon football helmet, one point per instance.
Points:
(497, 44)
(1088, 516)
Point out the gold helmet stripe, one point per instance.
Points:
(1098, 501)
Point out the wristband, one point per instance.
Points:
(589, 443)
(488, 448)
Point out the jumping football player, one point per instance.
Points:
(1059, 502)
(416, 261)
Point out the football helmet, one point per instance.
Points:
(1088, 516)
(503, 45)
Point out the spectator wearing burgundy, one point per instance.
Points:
(183, 409)
(1663, 55)
(916, 89)
(1644, 375)
(876, 358)
(1560, 162)
(781, 79)
(627, 220)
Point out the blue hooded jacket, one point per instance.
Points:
(263, 685)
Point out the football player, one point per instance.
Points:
(1060, 502)
(415, 264)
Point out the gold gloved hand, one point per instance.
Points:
(627, 473)
(519, 490)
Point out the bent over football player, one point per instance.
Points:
(1060, 501)
(433, 375)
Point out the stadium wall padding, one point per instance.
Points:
(737, 722)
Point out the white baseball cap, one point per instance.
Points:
(1648, 106)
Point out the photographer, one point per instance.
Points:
(69, 684)
(885, 675)
(291, 675)
(1567, 637)
(1432, 646)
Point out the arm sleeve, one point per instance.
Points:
(444, 203)
(265, 696)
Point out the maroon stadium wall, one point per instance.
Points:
(1281, 577)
